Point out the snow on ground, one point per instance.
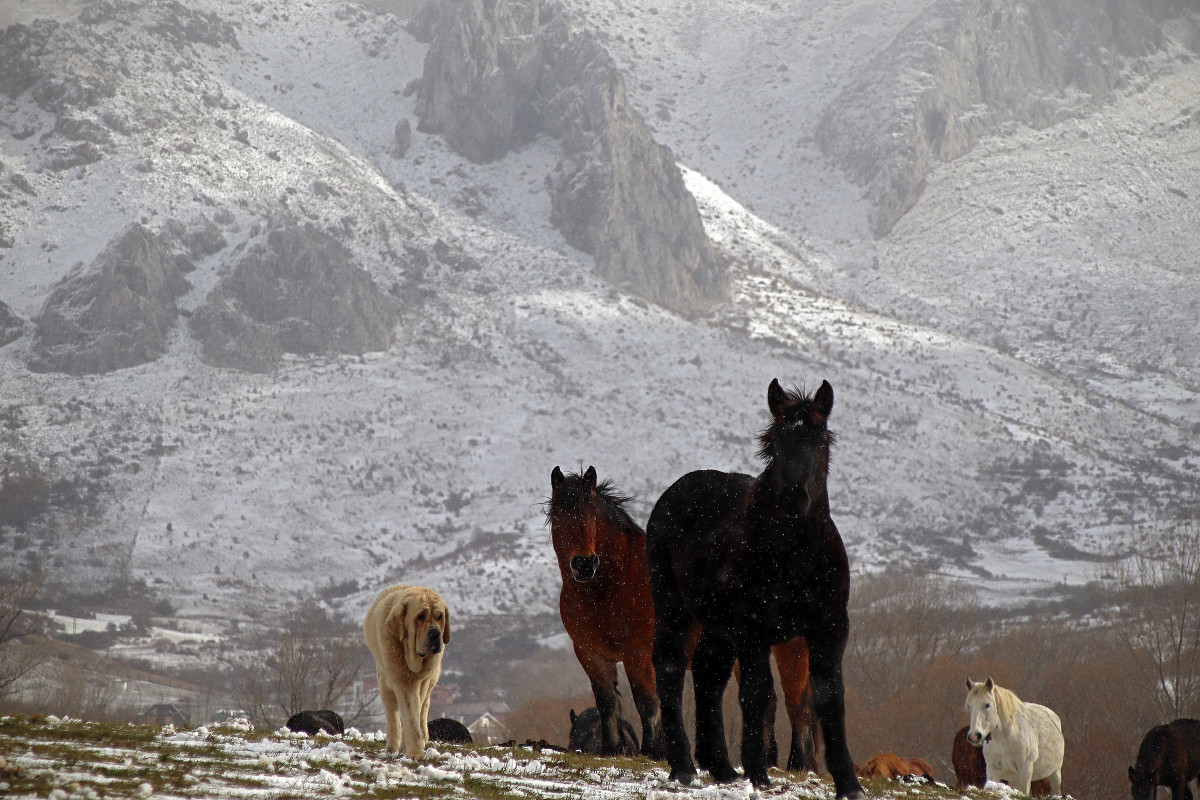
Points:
(69, 760)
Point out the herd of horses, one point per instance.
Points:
(733, 568)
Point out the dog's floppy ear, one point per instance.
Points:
(397, 620)
(446, 625)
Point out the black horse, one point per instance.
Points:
(1168, 756)
(450, 731)
(756, 562)
(587, 737)
(314, 722)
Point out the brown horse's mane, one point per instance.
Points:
(612, 503)
(796, 397)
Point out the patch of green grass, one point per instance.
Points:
(94, 734)
(926, 791)
(420, 792)
(336, 766)
(480, 789)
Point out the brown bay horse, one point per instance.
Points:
(607, 610)
(1169, 755)
(757, 561)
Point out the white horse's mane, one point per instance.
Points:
(1007, 704)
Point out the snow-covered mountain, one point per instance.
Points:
(1005, 302)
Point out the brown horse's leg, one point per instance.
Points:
(829, 700)
(792, 659)
(602, 674)
(645, 696)
(712, 664)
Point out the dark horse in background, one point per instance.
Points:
(587, 735)
(1168, 756)
(606, 607)
(757, 562)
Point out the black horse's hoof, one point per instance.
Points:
(686, 778)
(854, 794)
(724, 774)
(759, 780)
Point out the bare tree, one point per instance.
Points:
(313, 664)
(16, 660)
(901, 622)
(1156, 611)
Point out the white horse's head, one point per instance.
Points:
(983, 710)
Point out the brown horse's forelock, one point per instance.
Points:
(801, 405)
(570, 496)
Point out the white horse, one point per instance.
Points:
(1022, 742)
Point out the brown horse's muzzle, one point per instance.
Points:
(584, 568)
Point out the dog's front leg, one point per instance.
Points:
(391, 712)
(415, 735)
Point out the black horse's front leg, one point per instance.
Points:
(829, 700)
(670, 666)
(712, 664)
(754, 695)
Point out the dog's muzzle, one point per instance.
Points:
(434, 638)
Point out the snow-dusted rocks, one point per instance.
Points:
(299, 291)
(499, 74)
(959, 70)
(115, 314)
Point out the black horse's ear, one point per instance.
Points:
(1132, 775)
(777, 399)
(823, 400)
(572, 716)
(589, 478)
(556, 478)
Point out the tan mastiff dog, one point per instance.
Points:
(406, 630)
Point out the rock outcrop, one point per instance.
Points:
(961, 69)
(500, 72)
(11, 326)
(297, 291)
(21, 50)
(115, 314)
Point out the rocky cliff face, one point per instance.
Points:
(116, 314)
(500, 72)
(297, 291)
(11, 326)
(965, 67)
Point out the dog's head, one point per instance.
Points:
(420, 621)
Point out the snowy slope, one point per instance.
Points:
(1015, 378)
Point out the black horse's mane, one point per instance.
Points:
(571, 495)
(797, 398)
